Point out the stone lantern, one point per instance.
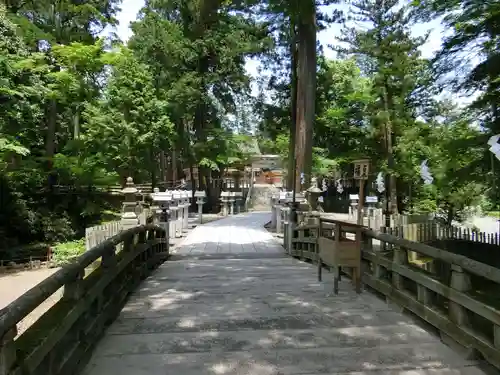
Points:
(185, 213)
(313, 194)
(129, 217)
(232, 201)
(177, 198)
(200, 196)
(162, 209)
(238, 196)
(361, 173)
(224, 197)
(154, 206)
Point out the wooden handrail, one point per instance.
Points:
(456, 294)
(87, 304)
(475, 267)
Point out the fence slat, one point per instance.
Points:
(100, 233)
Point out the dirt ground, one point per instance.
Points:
(13, 285)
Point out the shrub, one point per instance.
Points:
(64, 252)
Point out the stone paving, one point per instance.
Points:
(231, 302)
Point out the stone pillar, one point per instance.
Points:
(178, 208)
(274, 211)
(232, 200)
(173, 216)
(292, 224)
(279, 217)
(129, 217)
(182, 209)
(186, 209)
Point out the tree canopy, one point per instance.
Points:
(82, 110)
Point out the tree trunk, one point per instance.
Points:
(153, 166)
(174, 167)
(76, 124)
(449, 215)
(162, 167)
(392, 188)
(293, 105)
(50, 141)
(306, 91)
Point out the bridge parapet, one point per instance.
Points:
(455, 294)
(94, 289)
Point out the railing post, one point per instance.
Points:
(400, 257)
(378, 271)
(423, 295)
(7, 351)
(73, 290)
(109, 258)
(367, 242)
(366, 245)
(460, 281)
(286, 224)
(318, 258)
(496, 336)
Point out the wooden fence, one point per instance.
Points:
(457, 295)
(431, 231)
(100, 233)
(26, 258)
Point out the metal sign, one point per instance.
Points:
(371, 199)
(354, 197)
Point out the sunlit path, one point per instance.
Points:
(237, 235)
(260, 315)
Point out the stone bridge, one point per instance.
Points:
(229, 300)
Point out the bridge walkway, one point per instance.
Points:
(231, 302)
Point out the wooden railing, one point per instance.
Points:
(94, 288)
(457, 295)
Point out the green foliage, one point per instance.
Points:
(82, 111)
(64, 252)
